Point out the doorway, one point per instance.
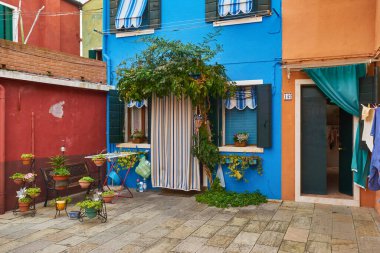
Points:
(324, 140)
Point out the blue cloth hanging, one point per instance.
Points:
(129, 13)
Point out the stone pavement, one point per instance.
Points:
(152, 222)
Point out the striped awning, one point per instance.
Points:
(244, 97)
(234, 7)
(137, 104)
(130, 13)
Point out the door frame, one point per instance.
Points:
(298, 197)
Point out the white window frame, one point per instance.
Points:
(15, 18)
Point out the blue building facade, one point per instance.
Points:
(252, 46)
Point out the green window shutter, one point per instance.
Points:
(116, 117)
(154, 14)
(6, 27)
(263, 5)
(113, 11)
(211, 10)
(215, 118)
(264, 116)
(92, 54)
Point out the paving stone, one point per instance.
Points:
(258, 248)
(283, 215)
(118, 242)
(210, 249)
(229, 231)
(270, 238)
(220, 241)
(164, 245)
(368, 244)
(218, 223)
(157, 232)
(54, 248)
(12, 245)
(57, 237)
(263, 215)
(223, 216)
(246, 238)
(319, 237)
(344, 246)
(318, 247)
(293, 247)
(277, 226)
(296, 234)
(270, 206)
(73, 240)
(172, 223)
(238, 248)
(255, 226)
(39, 235)
(190, 244)
(238, 221)
(304, 205)
(301, 222)
(145, 241)
(32, 247)
(131, 248)
(82, 248)
(206, 231)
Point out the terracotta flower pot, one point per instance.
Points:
(18, 181)
(24, 207)
(240, 144)
(108, 199)
(84, 184)
(35, 195)
(99, 162)
(60, 178)
(60, 205)
(138, 140)
(26, 161)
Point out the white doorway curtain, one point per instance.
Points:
(173, 165)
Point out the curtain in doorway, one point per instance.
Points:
(341, 85)
(173, 165)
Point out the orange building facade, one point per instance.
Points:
(322, 34)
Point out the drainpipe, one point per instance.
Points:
(2, 149)
(108, 61)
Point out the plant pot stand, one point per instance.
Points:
(101, 214)
(58, 211)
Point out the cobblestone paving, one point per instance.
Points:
(151, 222)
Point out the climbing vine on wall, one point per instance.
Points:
(238, 165)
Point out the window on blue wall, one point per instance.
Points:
(132, 15)
(241, 115)
(233, 9)
(135, 119)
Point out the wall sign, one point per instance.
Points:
(288, 96)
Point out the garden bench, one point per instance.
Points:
(77, 171)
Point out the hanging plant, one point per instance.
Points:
(237, 165)
(168, 67)
(124, 163)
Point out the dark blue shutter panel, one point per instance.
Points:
(116, 117)
(211, 10)
(154, 13)
(264, 116)
(263, 5)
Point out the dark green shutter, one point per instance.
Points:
(211, 10)
(215, 118)
(113, 11)
(263, 5)
(367, 90)
(116, 118)
(92, 54)
(264, 116)
(154, 13)
(6, 27)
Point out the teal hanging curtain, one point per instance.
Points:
(341, 85)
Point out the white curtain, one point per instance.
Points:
(173, 165)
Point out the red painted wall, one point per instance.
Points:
(54, 32)
(83, 126)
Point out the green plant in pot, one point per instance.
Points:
(18, 178)
(108, 196)
(138, 136)
(27, 158)
(24, 203)
(91, 207)
(60, 203)
(60, 172)
(33, 192)
(99, 159)
(85, 182)
(241, 139)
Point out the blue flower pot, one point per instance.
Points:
(91, 212)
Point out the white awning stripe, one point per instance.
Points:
(244, 97)
(234, 7)
(137, 104)
(130, 13)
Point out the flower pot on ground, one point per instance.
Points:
(138, 136)
(85, 182)
(24, 204)
(91, 207)
(60, 172)
(241, 139)
(108, 196)
(33, 192)
(18, 178)
(99, 159)
(27, 159)
(91, 212)
(60, 203)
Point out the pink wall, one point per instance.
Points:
(83, 126)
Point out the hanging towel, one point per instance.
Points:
(219, 174)
(374, 180)
(367, 117)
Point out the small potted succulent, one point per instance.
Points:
(60, 203)
(85, 182)
(27, 158)
(241, 139)
(24, 203)
(33, 192)
(91, 207)
(99, 159)
(138, 136)
(18, 178)
(108, 196)
(29, 177)
(60, 172)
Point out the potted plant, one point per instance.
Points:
(138, 136)
(241, 139)
(60, 172)
(27, 158)
(60, 203)
(29, 177)
(18, 178)
(33, 192)
(91, 207)
(108, 196)
(85, 182)
(24, 203)
(99, 159)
